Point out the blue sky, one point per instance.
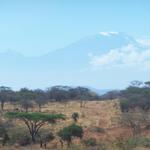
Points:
(35, 27)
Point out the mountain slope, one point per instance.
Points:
(62, 66)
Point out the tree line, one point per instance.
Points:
(136, 95)
(26, 97)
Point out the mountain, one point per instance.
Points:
(61, 66)
(78, 53)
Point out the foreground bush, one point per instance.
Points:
(67, 133)
(20, 136)
(45, 136)
(90, 142)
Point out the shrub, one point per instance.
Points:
(145, 142)
(124, 105)
(19, 135)
(45, 136)
(90, 142)
(131, 143)
(67, 133)
(75, 116)
(24, 140)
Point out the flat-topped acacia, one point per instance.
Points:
(35, 120)
(34, 116)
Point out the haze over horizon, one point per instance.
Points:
(100, 44)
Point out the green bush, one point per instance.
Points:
(90, 142)
(124, 144)
(145, 142)
(67, 133)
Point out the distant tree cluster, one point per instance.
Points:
(137, 95)
(26, 97)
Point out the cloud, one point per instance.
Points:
(144, 42)
(108, 33)
(128, 56)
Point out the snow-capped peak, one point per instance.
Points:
(109, 33)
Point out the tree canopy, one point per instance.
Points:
(137, 95)
(67, 133)
(34, 121)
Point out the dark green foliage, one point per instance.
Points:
(135, 97)
(75, 116)
(124, 105)
(34, 116)
(67, 133)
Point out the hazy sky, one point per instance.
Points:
(35, 27)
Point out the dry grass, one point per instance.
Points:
(102, 114)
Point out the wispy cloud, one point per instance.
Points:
(108, 33)
(144, 41)
(128, 56)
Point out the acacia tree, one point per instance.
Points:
(34, 121)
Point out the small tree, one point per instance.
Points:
(75, 116)
(26, 97)
(40, 98)
(133, 121)
(44, 137)
(34, 121)
(136, 83)
(26, 104)
(4, 127)
(5, 95)
(67, 133)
